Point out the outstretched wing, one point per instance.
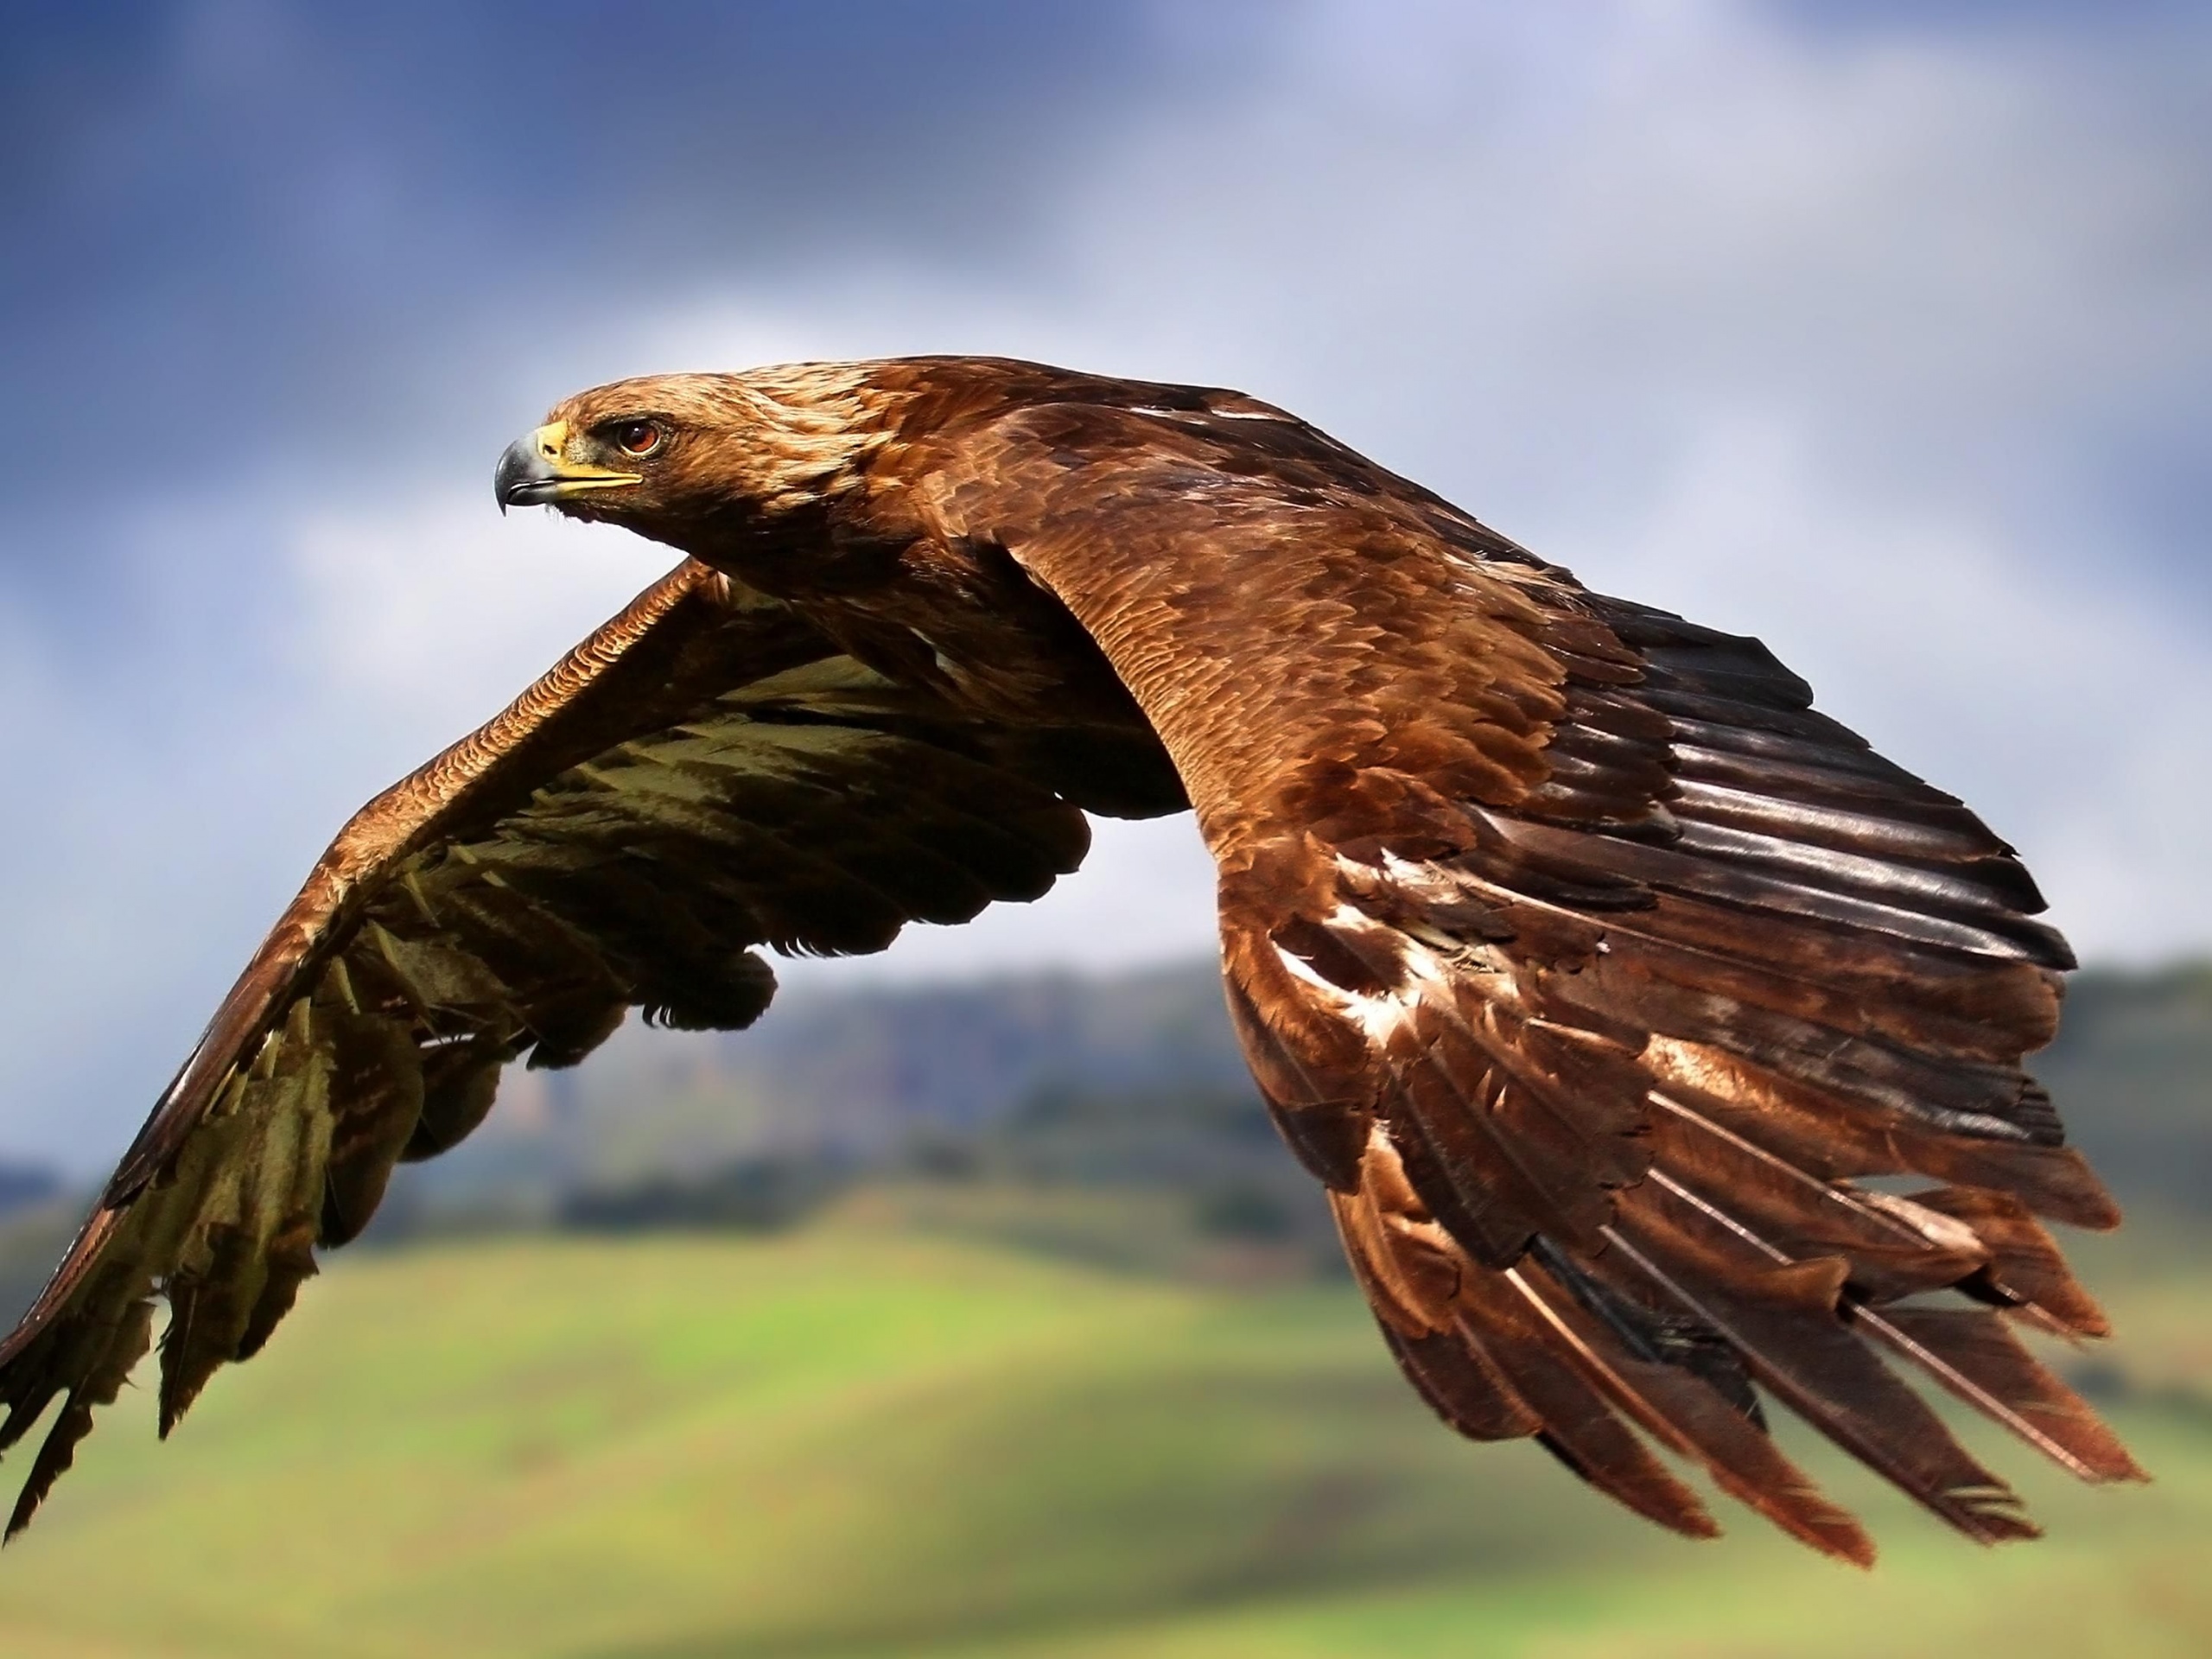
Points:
(1589, 967)
(704, 774)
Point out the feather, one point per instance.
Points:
(103, 1373)
(1461, 1386)
(1581, 1429)
(1684, 1413)
(2027, 1268)
(1972, 1354)
(1827, 1376)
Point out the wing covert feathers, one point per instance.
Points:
(1595, 973)
(705, 775)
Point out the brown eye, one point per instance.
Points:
(638, 438)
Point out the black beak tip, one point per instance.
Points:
(519, 470)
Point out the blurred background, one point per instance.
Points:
(966, 1306)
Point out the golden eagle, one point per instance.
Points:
(1589, 969)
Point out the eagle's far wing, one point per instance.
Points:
(704, 774)
(1590, 969)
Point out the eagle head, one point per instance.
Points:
(666, 452)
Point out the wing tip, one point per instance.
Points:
(1838, 1535)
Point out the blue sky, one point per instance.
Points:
(1878, 331)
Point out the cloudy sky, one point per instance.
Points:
(1879, 330)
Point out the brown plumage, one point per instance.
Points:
(1587, 966)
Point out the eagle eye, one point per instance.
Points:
(639, 437)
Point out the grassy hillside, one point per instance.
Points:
(931, 1425)
(848, 1441)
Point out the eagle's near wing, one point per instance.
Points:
(705, 773)
(1591, 970)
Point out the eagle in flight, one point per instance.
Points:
(1607, 988)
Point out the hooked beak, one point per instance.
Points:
(534, 472)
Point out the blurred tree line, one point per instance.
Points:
(1108, 1119)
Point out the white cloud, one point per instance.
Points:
(432, 611)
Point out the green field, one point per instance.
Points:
(852, 1442)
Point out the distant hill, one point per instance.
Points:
(23, 1186)
(2132, 1070)
(859, 1081)
(1128, 1080)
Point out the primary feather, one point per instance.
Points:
(1589, 968)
